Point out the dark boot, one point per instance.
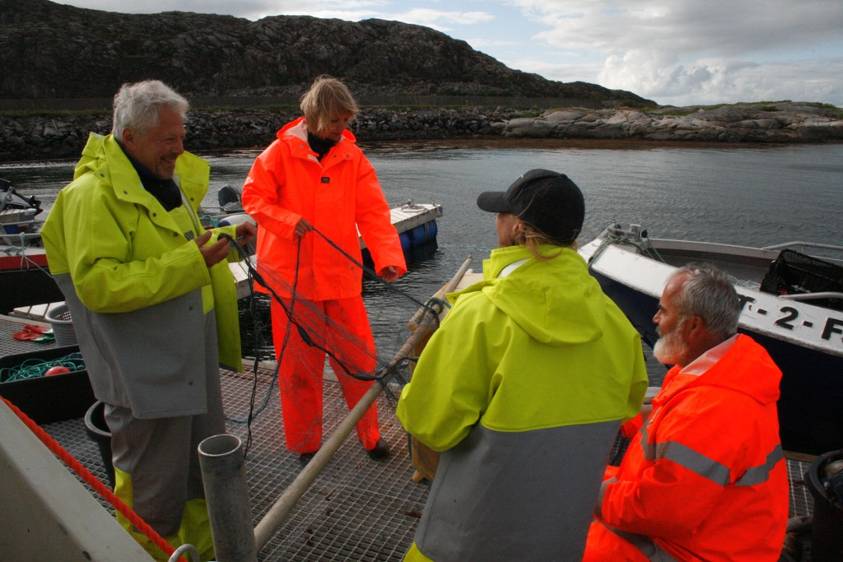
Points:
(380, 451)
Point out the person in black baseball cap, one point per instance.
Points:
(527, 378)
(548, 202)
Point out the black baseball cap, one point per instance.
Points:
(546, 200)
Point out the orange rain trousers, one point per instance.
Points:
(342, 327)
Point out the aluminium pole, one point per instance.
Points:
(227, 496)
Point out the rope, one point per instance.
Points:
(288, 311)
(35, 368)
(617, 235)
(93, 481)
(368, 270)
(19, 250)
(433, 307)
(252, 414)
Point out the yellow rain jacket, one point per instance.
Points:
(137, 285)
(523, 388)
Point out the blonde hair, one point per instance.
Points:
(532, 238)
(327, 98)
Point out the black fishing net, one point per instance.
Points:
(332, 347)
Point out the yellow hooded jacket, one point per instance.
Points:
(137, 285)
(523, 388)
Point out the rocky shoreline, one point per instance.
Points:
(29, 137)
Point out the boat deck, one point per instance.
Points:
(357, 509)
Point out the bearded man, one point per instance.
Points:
(704, 477)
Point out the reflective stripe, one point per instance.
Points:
(708, 468)
(694, 461)
(759, 474)
(644, 544)
(506, 271)
(649, 449)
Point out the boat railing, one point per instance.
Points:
(17, 243)
(803, 245)
(812, 296)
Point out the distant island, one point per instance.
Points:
(62, 64)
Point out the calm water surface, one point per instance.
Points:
(750, 196)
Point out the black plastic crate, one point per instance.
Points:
(796, 273)
(49, 399)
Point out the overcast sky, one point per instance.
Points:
(678, 52)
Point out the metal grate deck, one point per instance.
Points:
(357, 509)
(11, 346)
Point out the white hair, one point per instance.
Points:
(710, 294)
(136, 106)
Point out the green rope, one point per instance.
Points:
(35, 368)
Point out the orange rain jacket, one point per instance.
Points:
(337, 196)
(705, 478)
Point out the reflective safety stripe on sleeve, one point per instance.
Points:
(649, 449)
(759, 474)
(706, 467)
(645, 545)
(693, 461)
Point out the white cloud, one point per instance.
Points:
(481, 43)
(709, 81)
(351, 10)
(719, 26)
(431, 18)
(563, 72)
(687, 51)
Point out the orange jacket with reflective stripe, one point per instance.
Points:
(338, 195)
(705, 478)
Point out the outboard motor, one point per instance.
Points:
(229, 199)
(11, 199)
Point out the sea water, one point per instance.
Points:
(752, 196)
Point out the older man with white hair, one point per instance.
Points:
(704, 478)
(153, 304)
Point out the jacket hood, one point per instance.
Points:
(555, 301)
(746, 368)
(297, 128)
(102, 155)
(93, 155)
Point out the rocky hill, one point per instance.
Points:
(782, 122)
(50, 50)
(244, 78)
(24, 137)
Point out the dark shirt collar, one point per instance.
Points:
(143, 172)
(319, 145)
(167, 192)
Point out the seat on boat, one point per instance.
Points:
(795, 273)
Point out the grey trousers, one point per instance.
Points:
(160, 454)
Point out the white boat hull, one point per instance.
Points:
(805, 340)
